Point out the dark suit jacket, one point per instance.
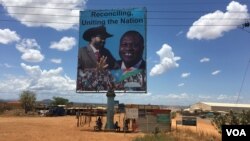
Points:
(87, 59)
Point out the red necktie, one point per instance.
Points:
(97, 55)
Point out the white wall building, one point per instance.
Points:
(215, 107)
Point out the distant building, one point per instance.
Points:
(14, 104)
(219, 107)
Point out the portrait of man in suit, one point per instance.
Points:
(112, 51)
(94, 61)
(131, 73)
(95, 52)
(131, 50)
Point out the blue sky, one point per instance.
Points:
(196, 50)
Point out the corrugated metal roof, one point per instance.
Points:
(226, 104)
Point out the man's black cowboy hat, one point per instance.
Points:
(96, 31)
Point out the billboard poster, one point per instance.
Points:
(112, 51)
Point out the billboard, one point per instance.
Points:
(112, 51)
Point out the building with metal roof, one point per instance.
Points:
(217, 107)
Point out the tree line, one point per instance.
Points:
(232, 118)
(28, 101)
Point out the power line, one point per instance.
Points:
(195, 18)
(244, 25)
(242, 83)
(37, 7)
(191, 11)
(188, 25)
(34, 2)
(164, 18)
(170, 18)
(244, 30)
(5, 20)
(153, 11)
(41, 14)
(153, 3)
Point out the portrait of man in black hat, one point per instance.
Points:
(95, 53)
(94, 61)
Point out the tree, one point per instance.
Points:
(28, 100)
(59, 101)
(219, 120)
(245, 117)
(232, 118)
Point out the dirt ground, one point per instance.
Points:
(54, 129)
(65, 129)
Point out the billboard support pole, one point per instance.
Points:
(110, 109)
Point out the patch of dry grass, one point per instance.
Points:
(180, 135)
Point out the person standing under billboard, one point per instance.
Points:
(94, 58)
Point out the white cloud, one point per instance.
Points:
(65, 44)
(33, 71)
(56, 61)
(177, 96)
(204, 97)
(32, 55)
(206, 27)
(227, 98)
(14, 84)
(30, 49)
(159, 99)
(181, 84)
(48, 80)
(66, 13)
(185, 75)
(45, 83)
(179, 33)
(216, 72)
(27, 44)
(204, 60)
(167, 60)
(6, 65)
(221, 97)
(8, 36)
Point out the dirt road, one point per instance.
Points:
(54, 129)
(65, 129)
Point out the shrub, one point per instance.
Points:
(232, 118)
(158, 137)
(180, 135)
